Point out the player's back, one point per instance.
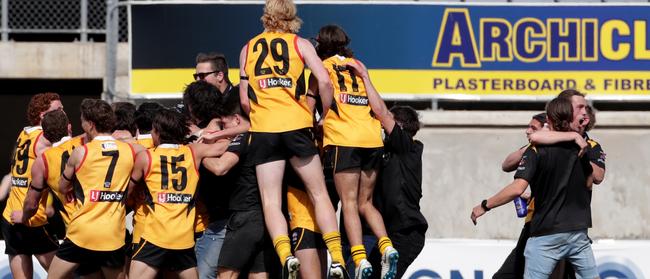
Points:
(350, 122)
(21, 175)
(100, 186)
(54, 160)
(275, 69)
(171, 181)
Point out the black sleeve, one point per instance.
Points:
(596, 154)
(235, 145)
(399, 141)
(527, 165)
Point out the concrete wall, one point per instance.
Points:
(62, 61)
(462, 166)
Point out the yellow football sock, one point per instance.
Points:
(383, 243)
(358, 254)
(282, 247)
(333, 242)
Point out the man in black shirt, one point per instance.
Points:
(399, 187)
(560, 182)
(247, 246)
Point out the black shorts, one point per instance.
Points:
(73, 253)
(302, 238)
(162, 258)
(247, 245)
(24, 240)
(269, 147)
(340, 158)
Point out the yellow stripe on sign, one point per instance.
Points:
(156, 81)
(441, 82)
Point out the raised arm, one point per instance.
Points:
(376, 102)
(36, 190)
(221, 165)
(325, 88)
(552, 137)
(512, 161)
(139, 171)
(243, 82)
(65, 183)
(202, 150)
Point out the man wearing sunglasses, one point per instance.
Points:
(213, 68)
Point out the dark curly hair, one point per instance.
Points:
(125, 117)
(55, 125)
(170, 126)
(145, 114)
(559, 113)
(407, 118)
(333, 40)
(202, 100)
(99, 113)
(38, 104)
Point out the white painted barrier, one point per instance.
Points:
(479, 259)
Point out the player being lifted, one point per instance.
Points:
(272, 91)
(353, 145)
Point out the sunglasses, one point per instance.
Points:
(202, 76)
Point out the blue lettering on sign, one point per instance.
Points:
(454, 274)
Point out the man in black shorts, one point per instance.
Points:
(247, 246)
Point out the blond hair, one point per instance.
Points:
(280, 15)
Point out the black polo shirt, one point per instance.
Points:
(246, 194)
(558, 181)
(399, 187)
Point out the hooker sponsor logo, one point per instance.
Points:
(174, 198)
(275, 82)
(353, 99)
(106, 196)
(19, 181)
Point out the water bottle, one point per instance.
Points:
(521, 207)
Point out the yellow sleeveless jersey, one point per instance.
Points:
(171, 180)
(140, 211)
(145, 140)
(275, 70)
(21, 176)
(54, 160)
(100, 188)
(202, 219)
(349, 122)
(301, 210)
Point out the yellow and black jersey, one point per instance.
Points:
(21, 176)
(349, 122)
(301, 210)
(54, 160)
(171, 181)
(78, 140)
(140, 210)
(145, 140)
(275, 70)
(100, 185)
(202, 217)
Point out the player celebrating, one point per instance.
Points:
(272, 70)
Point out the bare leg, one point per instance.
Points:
(60, 269)
(347, 186)
(45, 259)
(310, 171)
(142, 270)
(114, 273)
(311, 263)
(189, 273)
(258, 275)
(227, 273)
(21, 266)
(366, 208)
(269, 178)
